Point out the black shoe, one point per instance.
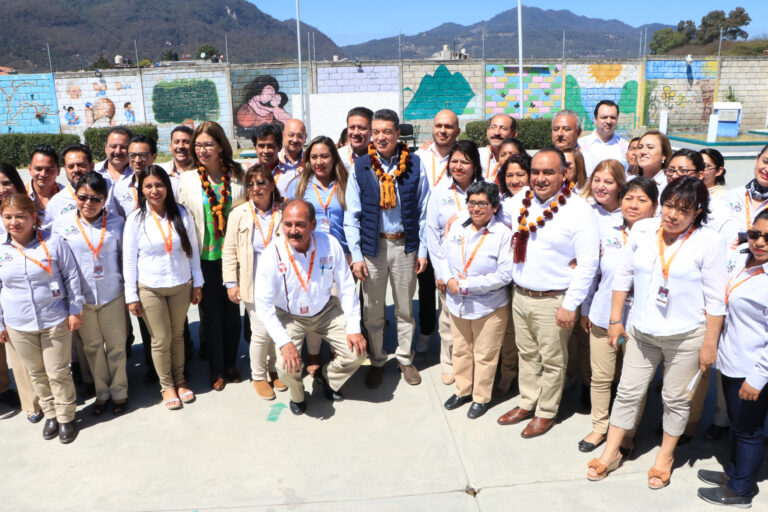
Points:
(456, 401)
(476, 410)
(67, 432)
(712, 477)
(297, 408)
(715, 432)
(586, 446)
(328, 391)
(373, 377)
(684, 439)
(50, 429)
(10, 398)
(77, 374)
(721, 495)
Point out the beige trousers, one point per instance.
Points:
(606, 369)
(27, 397)
(103, 336)
(331, 324)
(543, 352)
(261, 348)
(476, 346)
(395, 267)
(46, 355)
(508, 361)
(164, 311)
(680, 357)
(445, 329)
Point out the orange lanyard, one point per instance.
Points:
(748, 203)
(278, 174)
(330, 197)
(729, 288)
(456, 197)
(351, 158)
(97, 250)
(488, 167)
(258, 224)
(72, 192)
(666, 264)
(304, 285)
(48, 267)
(467, 264)
(434, 183)
(623, 236)
(169, 239)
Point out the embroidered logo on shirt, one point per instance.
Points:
(282, 268)
(326, 260)
(71, 231)
(6, 258)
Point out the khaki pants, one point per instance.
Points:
(680, 357)
(46, 355)
(164, 311)
(476, 349)
(27, 397)
(606, 369)
(331, 324)
(103, 335)
(446, 336)
(543, 352)
(261, 348)
(392, 265)
(508, 362)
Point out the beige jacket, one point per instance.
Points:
(237, 253)
(191, 196)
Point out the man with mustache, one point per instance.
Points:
(603, 143)
(358, 136)
(116, 149)
(566, 129)
(548, 290)
(181, 149)
(501, 127)
(295, 279)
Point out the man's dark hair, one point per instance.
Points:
(386, 114)
(122, 130)
(556, 151)
(183, 129)
(47, 150)
(82, 148)
(362, 112)
(143, 139)
(268, 130)
(609, 103)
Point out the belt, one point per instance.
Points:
(534, 293)
(392, 236)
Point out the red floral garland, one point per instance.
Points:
(524, 230)
(217, 209)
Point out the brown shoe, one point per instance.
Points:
(263, 389)
(313, 363)
(537, 427)
(410, 374)
(218, 383)
(516, 415)
(447, 378)
(373, 377)
(277, 384)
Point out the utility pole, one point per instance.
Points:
(298, 49)
(50, 62)
(226, 47)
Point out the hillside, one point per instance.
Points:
(542, 38)
(80, 31)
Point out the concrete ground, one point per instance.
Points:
(391, 449)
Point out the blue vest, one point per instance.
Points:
(370, 196)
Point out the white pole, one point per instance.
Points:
(720, 44)
(563, 44)
(301, 78)
(520, 54)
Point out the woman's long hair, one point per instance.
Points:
(261, 170)
(12, 174)
(215, 131)
(469, 149)
(340, 174)
(171, 207)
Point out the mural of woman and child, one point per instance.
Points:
(261, 102)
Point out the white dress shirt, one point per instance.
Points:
(737, 200)
(284, 174)
(348, 157)
(572, 233)
(743, 348)
(489, 273)
(436, 166)
(594, 150)
(445, 201)
(280, 287)
(697, 277)
(101, 279)
(45, 222)
(144, 243)
(489, 163)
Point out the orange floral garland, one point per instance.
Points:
(525, 228)
(217, 208)
(388, 195)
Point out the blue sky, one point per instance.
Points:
(356, 21)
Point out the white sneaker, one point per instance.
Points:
(422, 345)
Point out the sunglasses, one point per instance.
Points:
(92, 199)
(754, 234)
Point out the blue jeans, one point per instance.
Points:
(747, 419)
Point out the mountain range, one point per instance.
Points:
(81, 31)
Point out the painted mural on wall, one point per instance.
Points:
(587, 84)
(91, 101)
(542, 90)
(28, 104)
(439, 91)
(687, 92)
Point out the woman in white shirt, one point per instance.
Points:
(575, 169)
(162, 276)
(653, 155)
(95, 237)
(745, 203)
(252, 226)
(713, 174)
(742, 358)
(638, 200)
(477, 269)
(677, 268)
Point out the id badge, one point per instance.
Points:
(98, 271)
(662, 296)
(55, 290)
(303, 305)
(325, 225)
(463, 288)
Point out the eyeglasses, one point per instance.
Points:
(205, 145)
(754, 234)
(140, 156)
(257, 184)
(680, 172)
(478, 204)
(93, 199)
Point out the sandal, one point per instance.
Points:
(601, 469)
(99, 407)
(664, 476)
(119, 408)
(173, 402)
(35, 416)
(185, 394)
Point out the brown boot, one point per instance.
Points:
(277, 383)
(263, 389)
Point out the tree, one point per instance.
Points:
(209, 50)
(101, 63)
(665, 40)
(145, 63)
(687, 28)
(709, 30)
(166, 54)
(737, 18)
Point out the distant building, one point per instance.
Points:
(446, 54)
